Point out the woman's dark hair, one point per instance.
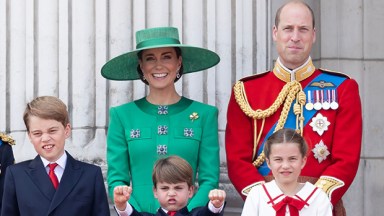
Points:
(141, 75)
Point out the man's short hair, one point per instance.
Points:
(278, 12)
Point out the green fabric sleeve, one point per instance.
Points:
(117, 156)
(208, 160)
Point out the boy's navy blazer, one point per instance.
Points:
(198, 211)
(29, 191)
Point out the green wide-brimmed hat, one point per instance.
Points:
(124, 67)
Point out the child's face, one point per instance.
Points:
(286, 162)
(48, 137)
(173, 197)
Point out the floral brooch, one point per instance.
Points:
(194, 116)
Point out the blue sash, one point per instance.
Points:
(291, 119)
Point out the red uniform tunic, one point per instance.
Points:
(342, 137)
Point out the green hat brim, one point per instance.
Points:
(124, 67)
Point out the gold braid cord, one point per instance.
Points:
(6, 138)
(291, 91)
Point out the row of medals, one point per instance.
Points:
(322, 99)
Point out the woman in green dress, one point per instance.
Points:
(163, 123)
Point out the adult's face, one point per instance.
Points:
(159, 67)
(294, 35)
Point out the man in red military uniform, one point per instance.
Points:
(323, 106)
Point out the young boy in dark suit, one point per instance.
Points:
(172, 180)
(53, 183)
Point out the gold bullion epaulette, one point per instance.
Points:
(337, 73)
(329, 184)
(248, 188)
(254, 76)
(7, 139)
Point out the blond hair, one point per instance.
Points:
(46, 107)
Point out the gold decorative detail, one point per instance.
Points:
(291, 91)
(329, 184)
(194, 116)
(322, 84)
(7, 138)
(248, 188)
(301, 73)
(259, 160)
